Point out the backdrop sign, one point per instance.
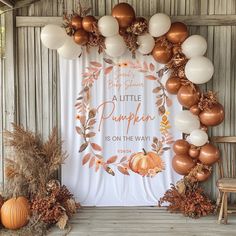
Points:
(117, 126)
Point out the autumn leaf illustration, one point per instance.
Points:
(90, 135)
(79, 130)
(83, 147)
(86, 158)
(96, 147)
(151, 67)
(110, 171)
(92, 161)
(156, 90)
(108, 70)
(96, 64)
(150, 77)
(168, 102)
(112, 159)
(123, 170)
(123, 159)
(108, 61)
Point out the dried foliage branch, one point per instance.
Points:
(33, 161)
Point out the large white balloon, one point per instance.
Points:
(198, 137)
(108, 26)
(199, 70)
(70, 50)
(115, 46)
(186, 122)
(194, 45)
(159, 24)
(53, 36)
(146, 43)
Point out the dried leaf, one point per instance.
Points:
(86, 158)
(83, 147)
(82, 120)
(108, 70)
(92, 122)
(90, 135)
(123, 170)
(150, 77)
(168, 102)
(107, 60)
(96, 147)
(62, 221)
(92, 161)
(78, 130)
(96, 64)
(151, 67)
(156, 90)
(112, 159)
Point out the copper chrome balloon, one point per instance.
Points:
(177, 33)
(203, 175)
(76, 22)
(209, 154)
(181, 146)
(162, 54)
(88, 22)
(173, 85)
(194, 152)
(195, 110)
(182, 164)
(81, 37)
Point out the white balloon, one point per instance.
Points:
(159, 24)
(115, 46)
(53, 36)
(146, 43)
(198, 137)
(186, 122)
(194, 45)
(108, 26)
(70, 50)
(199, 70)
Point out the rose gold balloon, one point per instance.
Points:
(187, 96)
(162, 54)
(212, 116)
(177, 33)
(124, 13)
(76, 22)
(173, 84)
(203, 175)
(209, 154)
(81, 37)
(88, 22)
(194, 152)
(182, 164)
(181, 146)
(195, 110)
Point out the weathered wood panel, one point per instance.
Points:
(37, 80)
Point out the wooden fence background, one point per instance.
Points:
(29, 85)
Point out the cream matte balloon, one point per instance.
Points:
(70, 50)
(146, 43)
(115, 46)
(199, 70)
(159, 24)
(53, 36)
(198, 137)
(194, 46)
(108, 26)
(186, 122)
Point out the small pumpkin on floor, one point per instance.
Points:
(15, 213)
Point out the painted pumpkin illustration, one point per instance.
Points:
(146, 163)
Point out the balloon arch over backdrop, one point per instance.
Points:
(182, 57)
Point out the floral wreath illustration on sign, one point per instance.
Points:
(144, 163)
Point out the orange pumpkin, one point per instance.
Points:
(15, 213)
(146, 163)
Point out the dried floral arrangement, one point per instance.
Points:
(188, 198)
(30, 172)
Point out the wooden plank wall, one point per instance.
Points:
(37, 75)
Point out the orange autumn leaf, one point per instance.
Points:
(96, 147)
(86, 158)
(97, 167)
(123, 170)
(96, 64)
(108, 70)
(150, 77)
(152, 67)
(92, 161)
(112, 159)
(90, 134)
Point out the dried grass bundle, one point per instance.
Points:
(34, 162)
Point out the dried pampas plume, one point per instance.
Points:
(33, 162)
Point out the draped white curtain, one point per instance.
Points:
(123, 86)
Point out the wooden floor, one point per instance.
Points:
(143, 221)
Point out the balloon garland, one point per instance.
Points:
(169, 44)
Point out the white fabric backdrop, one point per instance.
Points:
(127, 77)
